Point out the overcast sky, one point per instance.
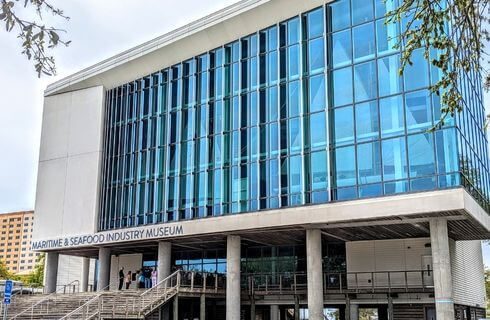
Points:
(98, 29)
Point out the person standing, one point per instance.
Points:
(141, 280)
(154, 277)
(128, 280)
(121, 278)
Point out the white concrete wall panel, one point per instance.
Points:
(468, 273)
(70, 270)
(69, 164)
(81, 189)
(51, 179)
(371, 260)
(130, 262)
(55, 127)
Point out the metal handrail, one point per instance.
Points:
(358, 281)
(88, 302)
(46, 299)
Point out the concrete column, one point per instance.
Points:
(441, 263)
(353, 311)
(275, 312)
(104, 269)
(347, 307)
(314, 273)
(296, 308)
(164, 260)
(51, 274)
(176, 308)
(202, 309)
(233, 278)
(85, 274)
(252, 308)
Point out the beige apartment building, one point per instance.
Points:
(15, 242)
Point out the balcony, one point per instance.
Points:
(413, 281)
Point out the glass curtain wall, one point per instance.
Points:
(307, 111)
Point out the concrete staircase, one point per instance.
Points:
(127, 305)
(47, 307)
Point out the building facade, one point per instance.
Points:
(272, 149)
(15, 242)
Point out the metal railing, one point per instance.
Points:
(123, 304)
(203, 281)
(340, 282)
(44, 305)
(72, 287)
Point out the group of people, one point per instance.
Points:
(145, 278)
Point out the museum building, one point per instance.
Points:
(271, 159)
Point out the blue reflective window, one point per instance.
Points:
(316, 23)
(418, 111)
(318, 131)
(392, 116)
(294, 100)
(365, 82)
(342, 48)
(421, 155)
(345, 166)
(382, 7)
(294, 64)
(363, 39)
(428, 183)
(369, 164)
(294, 34)
(362, 11)
(416, 76)
(316, 55)
(370, 190)
(340, 15)
(316, 95)
(272, 43)
(386, 37)
(343, 120)
(394, 159)
(273, 103)
(342, 86)
(395, 187)
(272, 75)
(446, 151)
(367, 121)
(296, 174)
(319, 174)
(295, 135)
(389, 80)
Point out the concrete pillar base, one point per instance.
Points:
(164, 260)
(233, 256)
(51, 267)
(202, 309)
(275, 312)
(441, 263)
(104, 269)
(314, 274)
(85, 274)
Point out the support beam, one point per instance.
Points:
(314, 273)
(202, 309)
(51, 266)
(252, 308)
(233, 255)
(176, 308)
(441, 263)
(353, 311)
(275, 312)
(296, 308)
(164, 260)
(104, 269)
(85, 274)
